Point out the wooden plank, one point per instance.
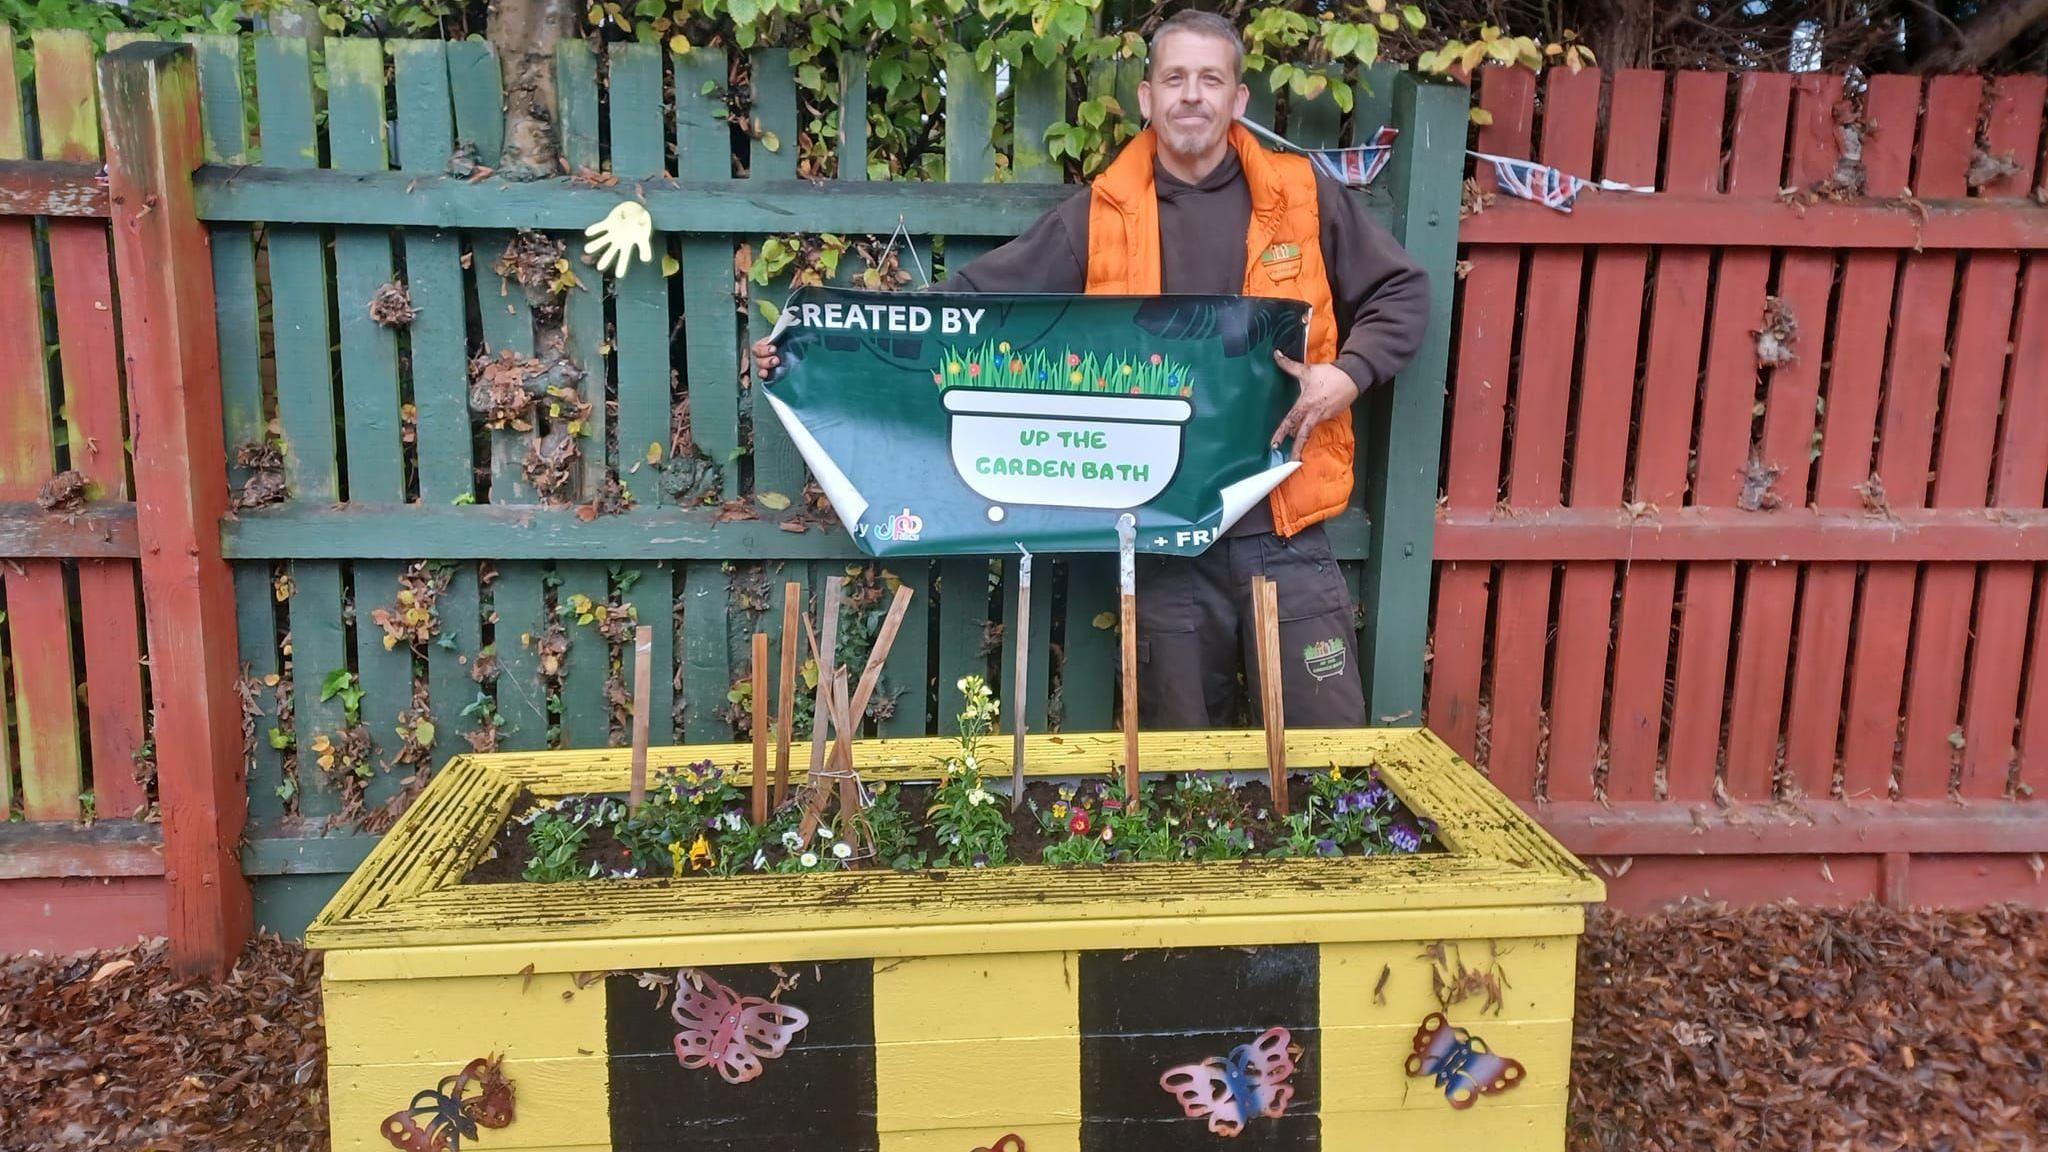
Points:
(1727, 534)
(694, 205)
(908, 670)
(1088, 653)
(585, 712)
(50, 188)
(1905, 450)
(151, 93)
(777, 466)
(1990, 712)
(640, 298)
(707, 657)
(226, 134)
(1039, 97)
(1542, 401)
(39, 616)
(1038, 631)
(1863, 317)
(1726, 399)
(1402, 426)
(1990, 747)
(1949, 224)
(108, 616)
(305, 404)
(106, 532)
(520, 615)
(1764, 634)
(1636, 711)
(1477, 428)
(1606, 402)
(438, 336)
(439, 345)
(710, 327)
(369, 391)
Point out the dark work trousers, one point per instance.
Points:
(1195, 633)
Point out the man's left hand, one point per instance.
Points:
(1327, 391)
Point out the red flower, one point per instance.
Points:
(974, 370)
(1079, 824)
(1073, 359)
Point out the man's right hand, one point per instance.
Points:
(765, 359)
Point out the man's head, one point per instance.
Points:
(1193, 86)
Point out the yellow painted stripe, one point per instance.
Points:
(557, 1103)
(1196, 927)
(1537, 974)
(972, 1047)
(454, 1020)
(1487, 1126)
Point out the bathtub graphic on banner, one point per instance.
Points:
(942, 424)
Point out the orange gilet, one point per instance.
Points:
(1283, 258)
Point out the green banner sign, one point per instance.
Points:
(958, 424)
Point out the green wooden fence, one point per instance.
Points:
(329, 177)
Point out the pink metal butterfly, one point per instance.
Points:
(1232, 1089)
(1460, 1062)
(728, 1031)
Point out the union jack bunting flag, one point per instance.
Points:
(1356, 166)
(1539, 182)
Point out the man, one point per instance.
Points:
(1194, 204)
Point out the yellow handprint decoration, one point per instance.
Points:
(618, 236)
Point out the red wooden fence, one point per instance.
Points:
(73, 631)
(1678, 571)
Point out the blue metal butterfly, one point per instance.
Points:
(1460, 1062)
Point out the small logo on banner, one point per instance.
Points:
(906, 526)
(1324, 658)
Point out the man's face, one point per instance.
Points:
(1192, 92)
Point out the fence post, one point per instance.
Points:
(149, 97)
(1405, 424)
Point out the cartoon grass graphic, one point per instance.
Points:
(996, 365)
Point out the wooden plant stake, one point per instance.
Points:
(821, 714)
(760, 777)
(884, 640)
(643, 691)
(1266, 619)
(1017, 692)
(785, 701)
(1127, 613)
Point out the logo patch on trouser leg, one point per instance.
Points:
(1324, 658)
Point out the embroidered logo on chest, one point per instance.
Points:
(1281, 261)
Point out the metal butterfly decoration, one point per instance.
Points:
(727, 1031)
(1461, 1063)
(440, 1118)
(1230, 1090)
(1009, 1143)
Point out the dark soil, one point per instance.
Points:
(1803, 1029)
(510, 852)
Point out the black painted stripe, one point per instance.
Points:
(1144, 1012)
(819, 1096)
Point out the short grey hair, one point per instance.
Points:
(1204, 23)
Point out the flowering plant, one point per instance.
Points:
(972, 823)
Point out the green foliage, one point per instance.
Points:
(343, 683)
(994, 365)
(972, 822)
(556, 836)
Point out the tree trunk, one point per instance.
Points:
(525, 33)
(1997, 25)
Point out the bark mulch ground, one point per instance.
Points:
(1765, 1030)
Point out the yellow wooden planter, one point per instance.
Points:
(950, 1009)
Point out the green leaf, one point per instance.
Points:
(769, 310)
(773, 501)
(883, 12)
(1104, 620)
(1368, 48)
(670, 265)
(1342, 93)
(423, 733)
(771, 141)
(1413, 17)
